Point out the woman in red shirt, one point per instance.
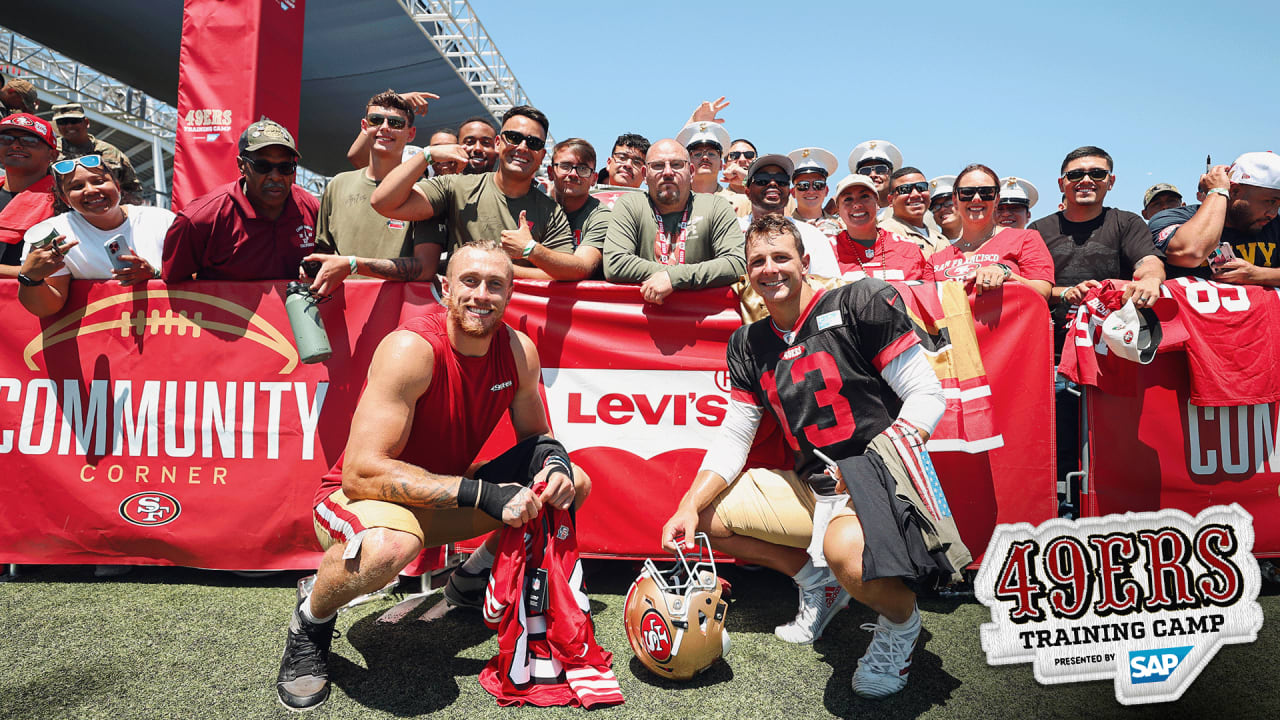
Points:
(986, 254)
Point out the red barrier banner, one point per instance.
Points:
(1150, 448)
(239, 60)
(175, 425)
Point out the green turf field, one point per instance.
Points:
(177, 643)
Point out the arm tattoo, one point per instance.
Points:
(403, 269)
(413, 492)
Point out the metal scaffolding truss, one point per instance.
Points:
(452, 26)
(150, 124)
(57, 75)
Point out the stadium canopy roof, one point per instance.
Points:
(352, 50)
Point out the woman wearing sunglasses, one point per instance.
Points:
(986, 254)
(74, 245)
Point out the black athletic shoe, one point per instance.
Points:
(303, 682)
(466, 589)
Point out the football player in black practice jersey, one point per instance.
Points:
(843, 374)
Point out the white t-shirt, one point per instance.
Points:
(143, 230)
(821, 250)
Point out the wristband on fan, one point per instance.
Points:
(351, 262)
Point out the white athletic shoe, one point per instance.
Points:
(818, 604)
(883, 670)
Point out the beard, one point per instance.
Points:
(470, 325)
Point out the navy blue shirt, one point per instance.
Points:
(1261, 248)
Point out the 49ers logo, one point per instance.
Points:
(655, 636)
(960, 271)
(150, 508)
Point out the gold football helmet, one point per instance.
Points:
(675, 619)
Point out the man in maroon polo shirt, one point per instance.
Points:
(256, 228)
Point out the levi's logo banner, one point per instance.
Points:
(1145, 599)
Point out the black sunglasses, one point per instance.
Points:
(395, 122)
(921, 187)
(744, 154)
(986, 192)
(23, 139)
(532, 142)
(1093, 173)
(69, 121)
(763, 179)
(805, 185)
(264, 167)
(876, 169)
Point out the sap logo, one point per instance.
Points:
(1149, 666)
(150, 508)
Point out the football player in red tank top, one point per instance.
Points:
(436, 388)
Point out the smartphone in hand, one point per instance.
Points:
(117, 246)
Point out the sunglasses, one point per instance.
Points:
(764, 179)
(264, 167)
(877, 169)
(658, 166)
(62, 167)
(743, 154)
(23, 138)
(704, 152)
(921, 187)
(807, 185)
(532, 142)
(395, 122)
(568, 167)
(69, 121)
(1093, 173)
(986, 192)
(944, 201)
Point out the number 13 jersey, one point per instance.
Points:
(822, 381)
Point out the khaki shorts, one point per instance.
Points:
(339, 519)
(770, 505)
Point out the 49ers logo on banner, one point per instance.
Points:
(150, 508)
(1144, 598)
(656, 636)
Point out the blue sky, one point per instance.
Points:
(1013, 85)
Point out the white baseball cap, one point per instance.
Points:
(1257, 168)
(1132, 334)
(875, 150)
(850, 180)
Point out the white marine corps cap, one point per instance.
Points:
(813, 160)
(696, 133)
(1016, 191)
(875, 150)
(1257, 168)
(941, 185)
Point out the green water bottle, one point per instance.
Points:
(304, 318)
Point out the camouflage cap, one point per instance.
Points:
(266, 132)
(1156, 189)
(26, 92)
(70, 110)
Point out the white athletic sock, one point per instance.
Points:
(479, 561)
(911, 622)
(808, 576)
(310, 617)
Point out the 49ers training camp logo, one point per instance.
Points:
(150, 508)
(655, 636)
(1144, 598)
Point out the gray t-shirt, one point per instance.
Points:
(473, 206)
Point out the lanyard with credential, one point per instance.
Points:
(662, 245)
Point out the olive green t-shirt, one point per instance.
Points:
(473, 206)
(348, 224)
(714, 254)
(589, 224)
